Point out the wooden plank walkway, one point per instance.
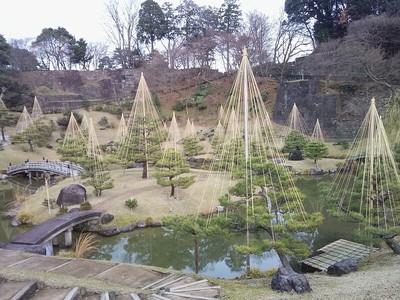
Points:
(335, 252)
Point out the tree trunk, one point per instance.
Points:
(145, 169)
(172, 190)
(284, 260)
(196, 255)
(2, 134)
(391, 242)
(30, 145)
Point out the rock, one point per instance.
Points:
(129, 227)
(106, 218)
(4, 177)
(141, 224)
(75, 209)
(9, 214)
(296, 154)
(286, 281)
(72, 194)
(343, 267)
(109, 231)
(155, 224)
(316, 171)
(15, 223)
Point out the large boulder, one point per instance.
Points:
(296, 154)
(286, 281)
(73, 194)
(343, 267)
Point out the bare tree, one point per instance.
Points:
(121, 28)
(97, 51)
(290, 43)
(259, 31)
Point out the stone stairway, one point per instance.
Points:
(49, 277)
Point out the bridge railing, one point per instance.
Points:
(60, 167)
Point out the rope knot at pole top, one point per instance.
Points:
(244, 53)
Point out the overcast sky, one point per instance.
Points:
(85, 18)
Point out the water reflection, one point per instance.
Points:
(159, 247)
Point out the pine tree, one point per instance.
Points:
(191, 146)
(169, 170)
(6, 118)
(316, 150)
(36, 134)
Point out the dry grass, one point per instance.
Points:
(85, 244)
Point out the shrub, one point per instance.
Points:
(25, 217)
(103, 121)
(51, 201)
(149, 221)
(85, 205)
(85, 104)
(62, 210)
(256, 273)
(264, 95)
(178, 106)
(131, 203)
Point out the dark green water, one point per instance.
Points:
(159, 247)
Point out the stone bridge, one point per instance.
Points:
(45, 166)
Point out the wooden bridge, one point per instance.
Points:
(39, 238)
(45, 166)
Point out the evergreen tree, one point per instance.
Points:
(142, 144)
(151, 25)
(293, 140)
(230, 17)
(36, 134)
(191, 146)
(316, 150)
(272, 207)
(169, 170)
(6, 118)
(198, 227)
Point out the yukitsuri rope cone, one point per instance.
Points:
(145, 132)
(367, 188)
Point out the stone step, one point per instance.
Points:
(50, 293)
(9, 289)
(26, 291)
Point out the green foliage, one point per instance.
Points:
(66, 115)
(191, 146)
(36, 134)
(264, 95)
(197, 226)
(151, 24)
(155, 99)
(6, 118)
(85, 104)
(142, 144)
(294, 139)
(256, 273)
(100, 181)
(178, 106)
(315, 150)
(51, 201)
(169, 171)
(103, 121)
(131, 203)
(85, 205)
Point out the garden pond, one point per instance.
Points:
(217, 258)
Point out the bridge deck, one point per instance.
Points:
(44, 231)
